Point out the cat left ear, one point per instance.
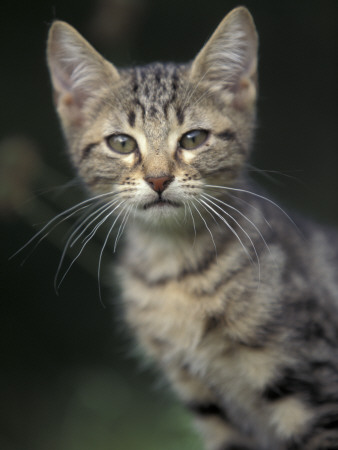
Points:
(227, 64)
(77, 70)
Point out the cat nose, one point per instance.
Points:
(159, 184)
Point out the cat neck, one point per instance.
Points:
(167, 251)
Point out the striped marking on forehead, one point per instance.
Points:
(155, 88)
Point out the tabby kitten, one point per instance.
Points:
(237, 304)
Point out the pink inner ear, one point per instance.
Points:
(69, 108)
(66, 96)
(61, 78)
(68, 100)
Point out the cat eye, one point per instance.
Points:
(193, 139)
(121, 143)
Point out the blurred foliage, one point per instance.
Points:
(67, 382)
(97, 408)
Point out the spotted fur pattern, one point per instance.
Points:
(235, 302)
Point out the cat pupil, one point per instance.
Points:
(193, 139)
(122, 143)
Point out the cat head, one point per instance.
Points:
(155, 135)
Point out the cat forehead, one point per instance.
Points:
(156, 99)
(157, 81)
(153, 89)
(150, 104)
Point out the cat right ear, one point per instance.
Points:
(227, 64)
(77, 70)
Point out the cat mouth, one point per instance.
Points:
(160, 203)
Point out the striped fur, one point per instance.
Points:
(235, 303)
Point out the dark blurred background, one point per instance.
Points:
(69, 378)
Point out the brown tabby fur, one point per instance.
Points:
(237, 304)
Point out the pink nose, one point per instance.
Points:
(159, 184)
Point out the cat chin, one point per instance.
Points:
(161, 205)
(160, 213)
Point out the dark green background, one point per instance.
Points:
(69, 379)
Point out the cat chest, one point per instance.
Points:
(167, 314)
(177, 327)
(172, 328)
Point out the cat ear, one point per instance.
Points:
(227, 64)
(77, 70)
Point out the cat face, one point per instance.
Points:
(155, 135)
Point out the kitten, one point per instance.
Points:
(237, 305)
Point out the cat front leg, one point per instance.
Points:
(322, 436)
(211, 419)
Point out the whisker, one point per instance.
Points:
(102, 250)
(193, 223)
(242, 215)
(205, 94)
(210, 214)
(266, 173)
(234, 231)
(59, 189)
(258, 196)
(122, 226)
(101, 211)
(89, 237)
(46, 234)
(82, 218)
(241, 200)
(206, 225)
(136, 208)
(190, 93)
(70, 211)
(93, 231)
(185, 212)
(230, 228)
